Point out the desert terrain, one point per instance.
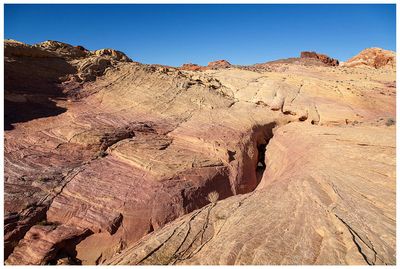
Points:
(110, 161)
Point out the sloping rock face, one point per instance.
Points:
(117, 55)
(37, 75)
(42, 244)
(306, 210)
(321, 57)
(122, 172)
(63, 50)
(67, 51)
(19, 49)
(373, 57)
(219, 64)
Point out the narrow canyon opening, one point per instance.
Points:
(262, 139)
(261, 148)
(250, 165)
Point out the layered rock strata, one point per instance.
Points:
(108, 161)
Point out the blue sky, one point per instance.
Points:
(177, 34)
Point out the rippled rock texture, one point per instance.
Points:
(108, 161)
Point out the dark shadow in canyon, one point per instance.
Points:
(64, 253)
(31, 84)
(261, 162)
(22, 112)
(262, 143)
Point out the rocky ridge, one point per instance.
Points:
(373, 57)
(321, 57)
(211, 65)
(108, 161)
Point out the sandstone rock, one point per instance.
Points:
(43, 243)
(63, 50)
(17, 224)
(211, 65)
(56, 69)
(19, 49)
(192, 67)
(130, 159)
(306, 210)
(321, 57)
(373, 57)
(114, 54)
(282, 65)
(219, 64)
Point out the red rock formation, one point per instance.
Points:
(373, 57)
(211, 65)
(219, 64)
(321, 57)
(173, 189)
(192, 67)
(46, 243)
(108, 152)
(303, 198)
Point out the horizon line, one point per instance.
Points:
(209, 61)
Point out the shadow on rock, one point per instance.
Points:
(30, 84)
(22, 112)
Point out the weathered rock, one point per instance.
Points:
(114, 54)
(63, 50)
(13, 48)
(219, 64)
(282, 65)
(192, 67)
(17, 224)
(55, 68)
(43, 243)
(321, 57)
(137, 146)
(306, 210)
(373, 57)
(211, 65)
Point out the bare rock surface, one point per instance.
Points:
(211, 65)
(42, 244)
(219, 64)
(321, 57)
(307, 58)
(117, 159)
(373, 57)
(192, 67)
(63, 50)
(308, 209)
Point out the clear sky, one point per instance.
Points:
(177, 34)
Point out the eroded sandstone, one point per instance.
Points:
(373, 57)
(120, 157)
(321, 57)
(308, 209)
